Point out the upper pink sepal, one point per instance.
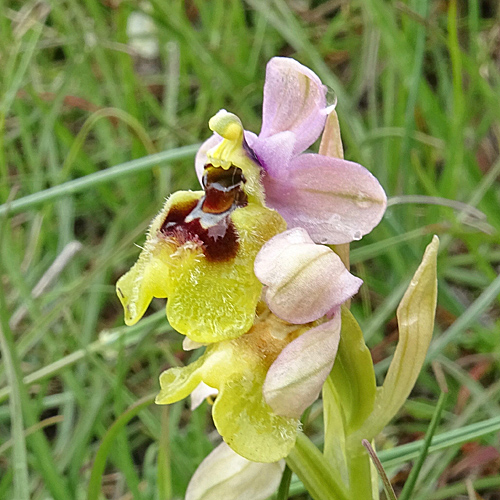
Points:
(294, 100)
(336, 201)
(304, 281)
(294, 380)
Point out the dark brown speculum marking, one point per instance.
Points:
(207, 221)
(223, 190)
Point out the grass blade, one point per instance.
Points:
(470, 432)
(94, 488)
(14, 377)
(412, 478)
(93, 180)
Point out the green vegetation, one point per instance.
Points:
(418, 88)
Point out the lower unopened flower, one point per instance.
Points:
(225, 475)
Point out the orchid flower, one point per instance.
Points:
(266, 378)
(248, 277)
(201, 247)
(335, 200)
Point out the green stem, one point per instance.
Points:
(318, 476)
(286, 479)
(360, 473)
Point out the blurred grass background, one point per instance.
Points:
(91, 84)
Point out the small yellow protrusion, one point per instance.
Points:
(231, 152)
(227, 125)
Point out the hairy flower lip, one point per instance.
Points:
(237, 369)
(209, 299)
(263, 383)
(214, 233)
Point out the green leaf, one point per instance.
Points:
(416, 323)
(349, 392)
(353, 375)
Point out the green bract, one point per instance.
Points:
(415, 315)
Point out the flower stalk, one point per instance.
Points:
(315, 472)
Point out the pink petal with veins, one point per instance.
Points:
(304, 281)
(336, 201)
(294, 380)
(294, 100)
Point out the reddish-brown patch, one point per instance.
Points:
(207, 222)
(223, 189)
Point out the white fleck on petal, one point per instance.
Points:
(202, 392)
